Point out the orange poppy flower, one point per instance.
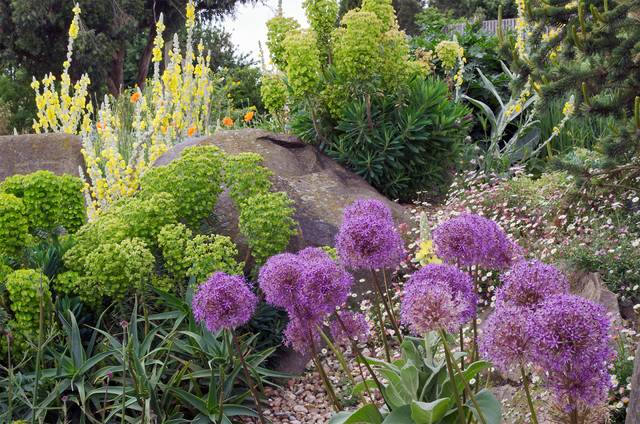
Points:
(135, 97)
(191, 131)
(100, 125)
(248, 117)
(227, 121)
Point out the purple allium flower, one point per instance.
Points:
(279, 279)
(570, 341)
(438, 297)
(369, 241)
(529, 283)
(470, 239)
(505, 339)
(224, 301)
(356, 325)
(324, 285)
(300, 334)
(368, 208)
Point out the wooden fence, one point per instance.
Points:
(488, 26)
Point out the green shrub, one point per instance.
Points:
(206, 254)
(273, 91)
(412, 143)
(67, 283)
(303, 63)
(277, 30)
(23, 287)
(172, 241)
(14, 226)
(117, 269)
(267, 224)
(50, 200)
(194, 180)
(245, 177)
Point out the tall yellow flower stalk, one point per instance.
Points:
(68, 109)
(125, 135)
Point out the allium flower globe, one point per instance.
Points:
(279, 279)
(571, 341)
(368, 208)
(356, 326)
(369, 242)
(324, 285)
(505, 338)
(470, 239)
(438, 297)
(224, 302)
(529, 283)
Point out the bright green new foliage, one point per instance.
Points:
(266, 220)
(274, 93)
(303, 62)
(194, 181)
(245, 177)
(67, 283)
(172, 241)
(23, 287)
(323, 17)
(277, 30)
(384, 10)
(14, 227)
(145, 216)
(50, 200)
(117, 269)
(206, 254)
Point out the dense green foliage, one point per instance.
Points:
(246, 177)
(50, 200)
(406, 149)
(266, 220)
(14, 226)
(593, 56)
(28, 291)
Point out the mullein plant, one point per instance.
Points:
(126, 135)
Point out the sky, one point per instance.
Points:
(248, 25)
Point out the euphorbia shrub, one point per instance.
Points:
(13, 225)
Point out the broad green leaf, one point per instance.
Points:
(399, 416)
(363, 385)
(368, 414)
(489, 405)
(429, 412)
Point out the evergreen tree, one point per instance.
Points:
(591, 49)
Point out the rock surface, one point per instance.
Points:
(591, 286)
(319, 186)
(24, 154)
(633, 410)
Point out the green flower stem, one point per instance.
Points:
(450, 361)
(525, 383)
(383, 333)
(342, 361)
(323, 375)
(10, 390)
(124, 375)
(362, 359)
(386, 306)
(464, 380)
(39, 353)
(247, 376)
(390, 300)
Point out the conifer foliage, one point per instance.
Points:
(590, 48)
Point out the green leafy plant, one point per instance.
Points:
(407, 148)
(206, 254)
(266, 220)
(14, 227)
(24, 287)
(172, 241)
(420, 391)
(194, 180)
(49, 200)
(245, 176)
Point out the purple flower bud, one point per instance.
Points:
(224, 301)
(299, 335)
(505, 339)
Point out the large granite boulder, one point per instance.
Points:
(24, 154)
(319, 186)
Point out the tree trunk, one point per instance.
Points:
(145, 59)
(115, 76)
